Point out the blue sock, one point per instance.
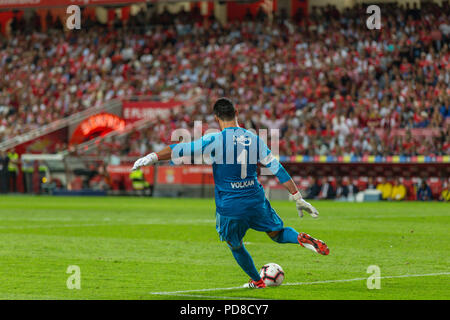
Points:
(287, 235)
(244, 259)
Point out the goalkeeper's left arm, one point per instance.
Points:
(269, 161)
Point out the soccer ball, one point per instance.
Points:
(272, 274)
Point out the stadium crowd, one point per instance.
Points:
(390, 189)
(332, 86)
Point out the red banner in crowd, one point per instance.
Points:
(17, 4)
(238, 11)
(187, 175)
(137, 110)
(299, 7)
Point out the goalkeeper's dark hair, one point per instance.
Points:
(224, 109)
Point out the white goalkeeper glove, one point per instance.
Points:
(145, 161)
(303, 205)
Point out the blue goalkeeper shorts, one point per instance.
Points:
(260, 218)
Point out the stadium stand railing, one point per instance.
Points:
(59, 124)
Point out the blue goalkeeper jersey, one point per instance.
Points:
(234, 154)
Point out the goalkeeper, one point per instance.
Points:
(240, 200)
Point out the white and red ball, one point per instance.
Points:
(272, 274)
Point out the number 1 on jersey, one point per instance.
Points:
(242, 159)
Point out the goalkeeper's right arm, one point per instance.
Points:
(182, 149)
(151, 158)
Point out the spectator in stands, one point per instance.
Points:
(101, 180)
(4, 162)
(314, 189)
(352, 191)
(398, 191)
(445, 194)
(385, 187)
(371, 183)
(327, 191)
(341, 190)
(424, 192)
(345, 190)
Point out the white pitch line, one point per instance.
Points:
(196, 290)
(182, 292)
(358, 279)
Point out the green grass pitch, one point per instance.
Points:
(130, 248)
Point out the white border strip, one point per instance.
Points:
(183, 292)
